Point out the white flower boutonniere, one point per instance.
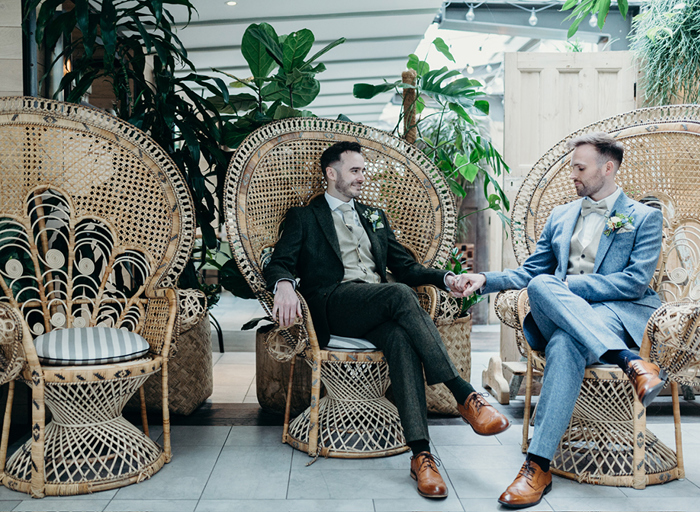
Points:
(374, 219)
(618, 222)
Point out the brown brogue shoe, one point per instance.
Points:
(528, 488)
(482, 416)
(647, 379)
(425, 472)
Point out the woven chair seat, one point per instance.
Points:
(276, 168)
(607, 441)
(96, 224)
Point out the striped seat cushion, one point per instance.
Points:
(89, 345)
(343, 344)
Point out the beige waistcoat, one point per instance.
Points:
(582, 259)
(358, 261)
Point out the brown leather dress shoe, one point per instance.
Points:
(424, 471)
(647, 379)
(528, 488)
(482, 416)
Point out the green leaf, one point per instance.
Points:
(108, 31)
(368, 91)
(268, 37)
(574, 27)
(569, 4)
(442, 47)
(457, 189)
(420, 105)
(623, 6)
(343, 117)
(303, 92)
(420, 66)
(255, 53)
(604, 8)
(295, 48)
(459, 110)
(482, 105)
(325, 49)
(232, 279)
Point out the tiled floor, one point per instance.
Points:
(229, 468)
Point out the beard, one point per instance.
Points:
(346, 188)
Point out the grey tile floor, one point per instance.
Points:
(230, 468)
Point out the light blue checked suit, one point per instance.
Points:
(575, 319)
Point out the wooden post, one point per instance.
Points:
(410, 132)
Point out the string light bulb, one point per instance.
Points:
(533, 18)
(593, 22)
(470, 14)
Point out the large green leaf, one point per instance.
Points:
(442, 47)
(303, 92)
(369, 91)
(295, 48)
(326, 48)
(108, 31)
(420, 66)
(255, 53)
(273, 43)
(461, 90)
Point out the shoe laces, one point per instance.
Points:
(429, 460)
(478, 400)
(527, 470)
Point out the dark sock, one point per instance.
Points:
(619, 357)
(422, 445)
(460, 388)
(541, 461)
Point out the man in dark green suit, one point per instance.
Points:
(340, 250)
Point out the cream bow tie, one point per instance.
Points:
(588, 207)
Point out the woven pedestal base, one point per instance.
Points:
(89, 446)
(456, 335)
(356, 420)
(598, 446)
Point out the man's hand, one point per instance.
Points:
(286, 307)
(463, 285)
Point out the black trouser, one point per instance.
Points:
(390, 316)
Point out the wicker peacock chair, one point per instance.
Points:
(607, 441)
(277, 167)
(96, 225)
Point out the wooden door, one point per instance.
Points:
(547, 97)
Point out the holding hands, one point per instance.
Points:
(463, 285)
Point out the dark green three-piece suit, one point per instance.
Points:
(387, 314)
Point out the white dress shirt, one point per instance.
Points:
(591, 224)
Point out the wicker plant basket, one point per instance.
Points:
(191, 379)
(456, 334)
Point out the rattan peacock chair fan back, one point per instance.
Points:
(93, 213)
(278, 167)
(661, 168)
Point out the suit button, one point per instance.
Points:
(581, 272)
(583, 255)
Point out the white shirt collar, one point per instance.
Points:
(608, 201)
(334, 202)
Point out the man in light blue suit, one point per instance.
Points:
(588, 286)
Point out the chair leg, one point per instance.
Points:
(166, 414)
(144, 413)
(314, 427)
(37, 485)
(6, 425)
(528, 402)
(677, 424)
(288, 404)
(639, 477)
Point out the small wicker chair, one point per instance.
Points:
(607, 441)
(96, 224)
(277, 167)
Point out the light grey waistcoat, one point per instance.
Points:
(358, 262)
(582, 259)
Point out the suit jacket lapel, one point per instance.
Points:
(568, 220)
(622, 205)
(325, 220)
(378, 248)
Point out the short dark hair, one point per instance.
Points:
(332, 154)
(608, 147)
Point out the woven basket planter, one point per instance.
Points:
(190, 373)
(456, 334)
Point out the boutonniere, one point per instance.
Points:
(618, 222)
(374, 219)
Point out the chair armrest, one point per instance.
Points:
(672, 340)
(511, 307)
(428, 297)
(14, 348)
(161, 325)
(284, 344)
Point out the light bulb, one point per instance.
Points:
(470, 69)
(489, 69)
(533, 18)
(470, 14)
(593, 22)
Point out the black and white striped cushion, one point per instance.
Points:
(343, 344)
(89, 345)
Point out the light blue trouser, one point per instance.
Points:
(577, 334)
